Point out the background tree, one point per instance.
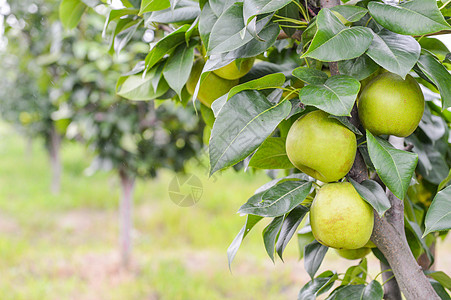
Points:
(305, 42)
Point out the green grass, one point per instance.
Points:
(65, 246)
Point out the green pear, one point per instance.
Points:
(353, 254)
(370, 244)
(391, 105)
(321, 146)
(211, 88)
(236, 69)
(340, 218)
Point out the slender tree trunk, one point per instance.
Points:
(125, 218)
(28, 147)
(54, 145)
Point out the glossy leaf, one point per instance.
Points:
(332, 39)
(236, 243)
(270, 235)
(70, 12)
(417, 17)
(355, 274)
(271, 155)
(278, 200)
(178, 67)
(153, 5)
(165, 46)
(435, 46)
(345, 121)
(373, 291)
(310, 76)
(317, 286)
(438, 216)
(348, 292)
(139, 88)
(265, 82)
(438, 74)
(395, 167)
(336, 96)
(441, 292)
(226, 34)
(184, 11)
(289, 227)
(372, 193)
(207, 20)
(313, 257)
(441, 277)
(359, 68)
(394, 52)
(350, 13)
(292, 177)
(416, 231)
(242, 124)
(444, 182)
(252, 8)
(116, 14)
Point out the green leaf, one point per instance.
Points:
(153, 5)
(417, 17)
(178, 67)
(314, 255)
(373, 291)
(438, 74)
(70, 12)
(348, 292)
(415, 229)
(349, 12)
(332, 39)
(441, 277)
(139, 88)
(444, 182)
(270, 234)
(438, 216)
(345, 121)
(359, 68)
(242, 124)
(289, 227)
(265, 82)
(305, 237)
(372, 193)
(166, 45)
(115, 14)
(355, 273)
(226, 35)
(441, 292)
(394, 52)
(435, 46)
(395, 167)
(278, 200)
(271, 155)
(317, 286)
(336, 96)
(292, 177)
(184, 11)
(236, 243)
(206, 22)
(252, 8)
(310, 76)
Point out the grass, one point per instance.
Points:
(65, 246)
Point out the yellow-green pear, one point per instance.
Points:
(370, 244)
(321, 147)
(391, 105)
(353, 254)
(236, 69)
(340, 218)
(211, 88)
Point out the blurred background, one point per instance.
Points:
(78, 164)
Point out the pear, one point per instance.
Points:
(340, 218)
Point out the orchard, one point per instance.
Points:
(345, 105)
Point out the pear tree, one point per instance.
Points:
(317, 67)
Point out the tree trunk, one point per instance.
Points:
(391, 287)
(125, 218)
(54, 145)
(28, 147)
